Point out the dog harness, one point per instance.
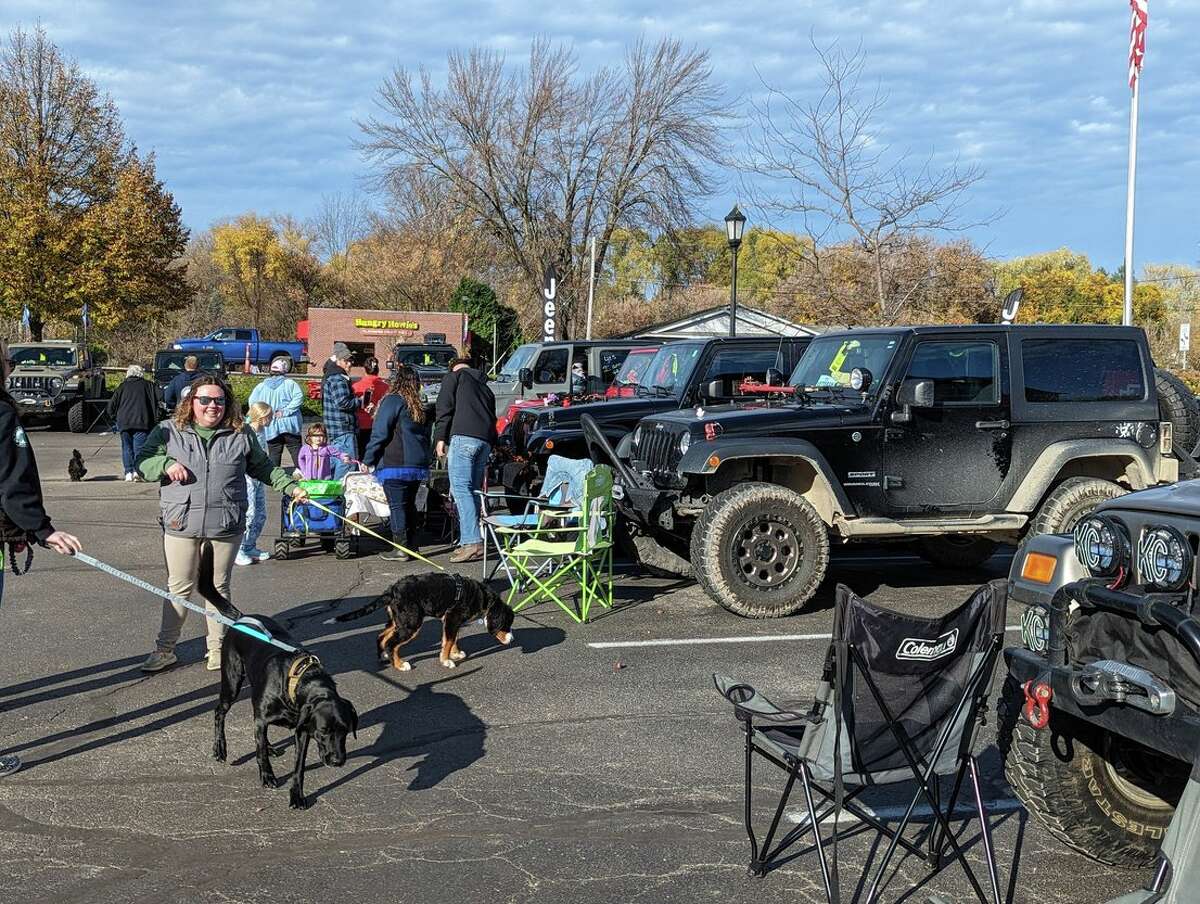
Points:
(296, 670)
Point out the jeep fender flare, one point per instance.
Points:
(1139, 467)
(696, 462)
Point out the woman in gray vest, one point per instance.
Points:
(201, 458)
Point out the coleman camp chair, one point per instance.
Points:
(562, 490)
(899, 701)
(581, 553)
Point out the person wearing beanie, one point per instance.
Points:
(133, 408)
(285, 398)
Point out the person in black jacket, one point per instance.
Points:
(466, 428)
(174, 390)
(23, 519)
(134, 409)
(398, 450)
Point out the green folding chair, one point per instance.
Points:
(580, 553)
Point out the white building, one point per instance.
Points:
(715, 322)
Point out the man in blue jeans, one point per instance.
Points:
(339, 406)
(466, 427)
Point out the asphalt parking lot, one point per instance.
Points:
(589, 763)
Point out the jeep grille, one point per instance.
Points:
(29, 384)
(659, 452)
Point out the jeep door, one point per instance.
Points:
(954, 454)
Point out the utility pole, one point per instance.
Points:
(591, 289)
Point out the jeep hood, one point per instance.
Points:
(745, 421)
(623, 410)
(1176, 499)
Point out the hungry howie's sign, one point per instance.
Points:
(364, 323)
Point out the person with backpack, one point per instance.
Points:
(465, 432)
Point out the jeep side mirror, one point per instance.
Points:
(713, 390)
(912, 394)
(774, 377)
(525, 377)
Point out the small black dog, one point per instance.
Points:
(75, 468)
(452, 598)
(289, 689)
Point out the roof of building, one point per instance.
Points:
(715, 322)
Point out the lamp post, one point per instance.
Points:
(735, 222)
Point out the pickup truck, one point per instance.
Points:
(231, 342)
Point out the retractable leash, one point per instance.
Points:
(252, 627)
(367, 530)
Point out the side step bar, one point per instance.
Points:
(888, 527)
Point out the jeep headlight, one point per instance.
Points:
(637, 436)
(1102, 546)
(56, 385)
(685, 443)
(1164, 559)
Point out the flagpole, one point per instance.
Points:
(1133, 119)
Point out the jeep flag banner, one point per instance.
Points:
(1137, 38)
(549, 304)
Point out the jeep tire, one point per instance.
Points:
(77, 417)
(957, 550)
(1070, 501)
(1071, 777)
(1177, 405)
(760, 550)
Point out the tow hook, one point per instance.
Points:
(1037, 703)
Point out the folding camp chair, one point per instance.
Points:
(899, 701)
(581, 552)
(562, 489)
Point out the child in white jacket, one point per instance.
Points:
(257, 418)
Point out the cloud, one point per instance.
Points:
(254, 106)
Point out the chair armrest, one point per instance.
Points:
(749, 704)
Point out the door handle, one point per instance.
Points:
(992, 425)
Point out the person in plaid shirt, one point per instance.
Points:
(339, 406)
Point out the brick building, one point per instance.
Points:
(373, 333)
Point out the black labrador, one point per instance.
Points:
(289, 689)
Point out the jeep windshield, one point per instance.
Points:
(670, 371)
(522, 356)
(828, 361)
(41, 356)
(425, 357)
(170, 363)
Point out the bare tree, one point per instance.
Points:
(340, 220)
(822, 161)
(542, 159)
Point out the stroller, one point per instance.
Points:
(299, 521)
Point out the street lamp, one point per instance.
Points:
(735, 222)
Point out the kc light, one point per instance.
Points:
(1164, 559)
(1102, 546)
(685, 443)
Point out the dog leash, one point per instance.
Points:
(367, 530)
(248, 626)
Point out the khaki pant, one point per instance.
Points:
(183, 563)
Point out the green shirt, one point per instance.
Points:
(153, 461)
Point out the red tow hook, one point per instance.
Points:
(1037, 703)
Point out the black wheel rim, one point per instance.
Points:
(766, 552)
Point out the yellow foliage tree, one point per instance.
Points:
(249, 253)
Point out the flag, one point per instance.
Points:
(85, 315)
(1137, 38)
(26, 320)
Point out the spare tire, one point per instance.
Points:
(1177, 404)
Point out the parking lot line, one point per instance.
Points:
(699, 641)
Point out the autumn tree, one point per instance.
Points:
(1063, 287)
(83, 218)
(542, 159)
(819, 162)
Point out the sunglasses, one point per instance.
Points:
(206, 400)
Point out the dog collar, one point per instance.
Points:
(296, 670)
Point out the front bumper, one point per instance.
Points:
(33, 405)
(1176, 735)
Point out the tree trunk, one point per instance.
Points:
(36, 325)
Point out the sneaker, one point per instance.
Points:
(472, 553)
(214, 660)
(9, 765)
(243, 559)
(159, 660)
(395, 555)
(258, 555)
(129, 477)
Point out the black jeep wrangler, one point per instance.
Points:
(1100, 716)
(680, 375)
(959, 437)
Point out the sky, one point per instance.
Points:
(254, 105)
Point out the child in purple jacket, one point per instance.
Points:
(316, 453)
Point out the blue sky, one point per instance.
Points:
(253, 105)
